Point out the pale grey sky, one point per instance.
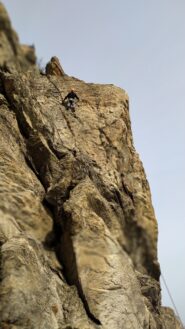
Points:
(139, 46)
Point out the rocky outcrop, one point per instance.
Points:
(11, 52)
(54, 68)
(169, 320)
(78, 234)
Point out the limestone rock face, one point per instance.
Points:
(10, 49)
(53, 67)
(169, 319)
(78, 234)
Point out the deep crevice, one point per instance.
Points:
(60, 240)
(67, 258)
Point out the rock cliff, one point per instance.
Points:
(78, 234)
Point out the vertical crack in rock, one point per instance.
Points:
(67, 257)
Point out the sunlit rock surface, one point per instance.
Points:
(78, 233)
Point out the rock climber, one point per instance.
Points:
(70, 100)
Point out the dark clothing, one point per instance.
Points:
(70, 101)
(71, 95)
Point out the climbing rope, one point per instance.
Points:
(171, 298)
(56, 87)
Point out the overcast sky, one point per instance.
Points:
(138, 45)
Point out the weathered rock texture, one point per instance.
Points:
(78, 234)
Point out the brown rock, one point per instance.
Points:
(169, 320)
(29, 53)
(78, 234)
(54, 67)
(11, 52)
